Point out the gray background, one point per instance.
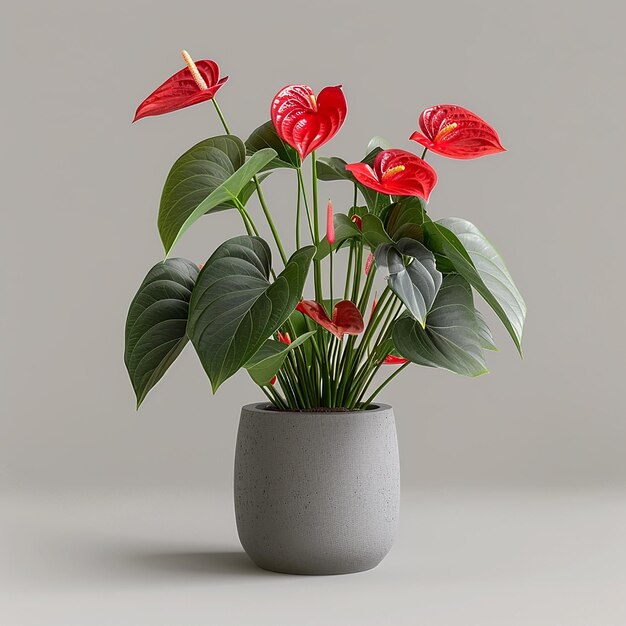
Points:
(81, 188)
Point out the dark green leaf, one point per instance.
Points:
(376, 144)
(203, 180)
(374, 231)
(451, 338)
(415, 283)
(264, 365)
(486, 338)
(474, 258)
(265, 136)
(243, 197)
(345, 228)
(234, 308)
(405, 218)
(156, 322)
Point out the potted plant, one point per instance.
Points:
(316, 468)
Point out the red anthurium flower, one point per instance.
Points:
(398, 173)
(347, 319)
(273, 381)
(286, 339)
(392, 359)
(304, 121)
(455, 132)
(356, 219)
(197, 82)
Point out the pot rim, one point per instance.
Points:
(262, 407)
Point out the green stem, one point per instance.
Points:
(424, 153)
(330, 278)
(384, 384)
(301, 189)
(319, 296)
(270, 221)
(221, 116)
(299, 202)
(268, 216)
(346, 290)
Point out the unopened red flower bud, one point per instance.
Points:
(330, 223)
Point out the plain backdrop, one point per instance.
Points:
(81, 187)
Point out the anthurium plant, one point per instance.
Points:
(335, 346)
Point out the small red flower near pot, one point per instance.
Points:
(305, 121)
(197, 82)
(455, 132)
(397, 173)
(392, 359)
(347, 319)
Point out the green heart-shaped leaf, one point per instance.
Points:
(265, 136)
(205, 179)
(474, 258)
(405, 218)
(484, 332)
(156, 323)
(345, 229)
(374, 232)
(264, 365)
(234, 307)
(415, 283)
(451, 339)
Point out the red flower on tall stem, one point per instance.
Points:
(346, 320)
(455, 132)
(396, 172)
(197, 82)
(305, 121)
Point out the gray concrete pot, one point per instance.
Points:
(317, 493)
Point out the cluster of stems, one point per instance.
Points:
(326, 371)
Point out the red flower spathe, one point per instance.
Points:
(181, 90)
(304, 121)
(347, 319)
(455, 132)
(397, 173)
(392, 359)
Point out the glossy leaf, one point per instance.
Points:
(307, 122)
(455, 132)
(377, 143)
(202, 180)
(181, 90)
(474, 258)
(405, 218)
(484, 332)
(415, 283)
(234, 307)
(373, 231)
(397, 173)
(265, 136)
(157, 318)
(345, 229)
(266, 363)
(246, 193)
(451, 338)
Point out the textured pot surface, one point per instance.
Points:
(317, 493)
